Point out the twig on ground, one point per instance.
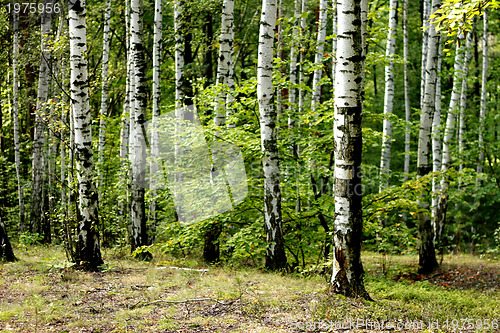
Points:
(185, 269)
(191, 300)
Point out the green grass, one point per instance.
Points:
(42, 293)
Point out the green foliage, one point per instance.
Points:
(29, 239)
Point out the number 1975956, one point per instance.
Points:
(33, 8)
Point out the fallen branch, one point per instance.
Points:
(185, 269)
(191, 300)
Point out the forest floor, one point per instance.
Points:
(40, 293)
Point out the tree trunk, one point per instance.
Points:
(385, 161)
(155, 141)
(407, 91)
(15, 114)
(427, 254)
(425, 41)
(88, 253)
(137, 145)
(211, 252)
(104, 98)
(275, 252)
(442, 202)
(436, 140)
(347, 275)
(38, 213)
(484, 90)
(6, 252)
(320, 48)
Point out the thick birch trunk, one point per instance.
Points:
(38, 214)
(442, 201)
(104, 97)
(88, 253)
(155, 142)
(15, 113)
(427, 254)
(137, 147)
(275, 252)
(318, 58)
(347, 275)
(407, 91)
(385, 160)
(483, 105)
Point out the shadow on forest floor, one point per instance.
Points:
(41, 293)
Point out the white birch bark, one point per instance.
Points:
(318, 58)
(347, 275)
(155, 142)
(104, 95)
(407, 91)
(88, 252)
(334, 41)
(125, 128)
(390, 50)
(292, 91)
(38, 218)
(225, 61)
(427, 254)
(275, 252)
(425, 41)
(137, 143)
(179, 55)
(484, 90)
(442, 198)
(463, 101)
(303, 29)
(436, 139)
(15, 113)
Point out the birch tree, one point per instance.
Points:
(385, 160)
(38, 214)
(347, 275)
(442, 202)
(15, 114)
(320, 49)
(104, 95)
(436, 138)
(425, 40)
(88, 253)
(406, 91)
(275, 252)
(155, 142)
(427, 254)
(483, 104)
(137, 143)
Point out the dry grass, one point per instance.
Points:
(41, 294)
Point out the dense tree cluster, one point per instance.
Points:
(333, 164)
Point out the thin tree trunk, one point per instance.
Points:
(347, 275)
(137, 148)
(427, 254)
(425, 42)
(436, 141)
(88, 253)
(275, 252)
(407, 91)
(442, 202)
(484, 90)
(15, 113)
(303, 29)
(38, 214)
(463, 103)
(385, 161)
(320, 49)
(155, 141)
(104, 98)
